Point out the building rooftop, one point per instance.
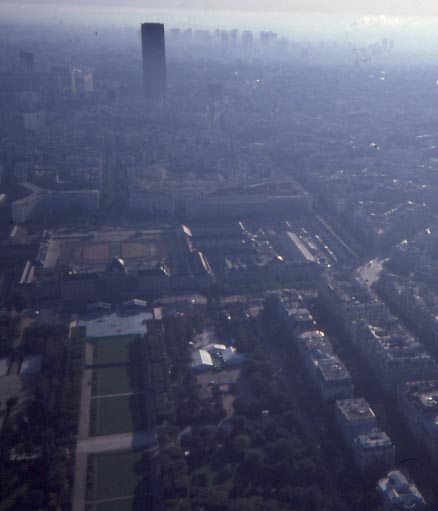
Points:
(399, 493)
(392, 335)
(333, 369)
(394, 342)
(316, 344)
(355, 409)
(375, 439)
(423, 395)
(301, 315)
(202, 358)
(350, 291)
(302, 252)
(229, 354)
(214, 347)
(291, 299)
(99, 307)
(110, 325)
(134, 304)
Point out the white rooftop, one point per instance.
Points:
(134, 303)
(215, 348)
(108, 325)
(314, 334)
(201, 358)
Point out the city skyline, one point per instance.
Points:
(372, 7)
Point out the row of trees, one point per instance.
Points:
(358, 491)
(8, 333)
(46, 431)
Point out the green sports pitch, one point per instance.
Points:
(129, 469)
(120, 414)
(117, 379)
(116, 350)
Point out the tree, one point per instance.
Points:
(309, 472)
(57, 477)
(36, 499)
(200, 478)
(8, 333)
(281, 450)
(241, 444)
(253, 460)
(18, 301)
(178, 505)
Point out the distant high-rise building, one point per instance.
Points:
(247, 38)
(175, 33)
(154, 59)
(82, 81)
(64, 75)
(27, 61)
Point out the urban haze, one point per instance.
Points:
(218, 256)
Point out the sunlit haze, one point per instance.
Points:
(371, 7)
(410, 23)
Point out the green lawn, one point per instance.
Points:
(119, 379)
(111, 415)
(115, 475)
(117, 349)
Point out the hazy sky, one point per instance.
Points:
(357, 7)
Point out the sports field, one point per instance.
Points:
(101, 252)
(138, 250)
(95, 252)
(117, 379)
(120, 414)
(91, 251)
(127, 469)
(116, 350)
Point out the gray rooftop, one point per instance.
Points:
(355, 409)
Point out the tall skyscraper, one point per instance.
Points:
(154, 59)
